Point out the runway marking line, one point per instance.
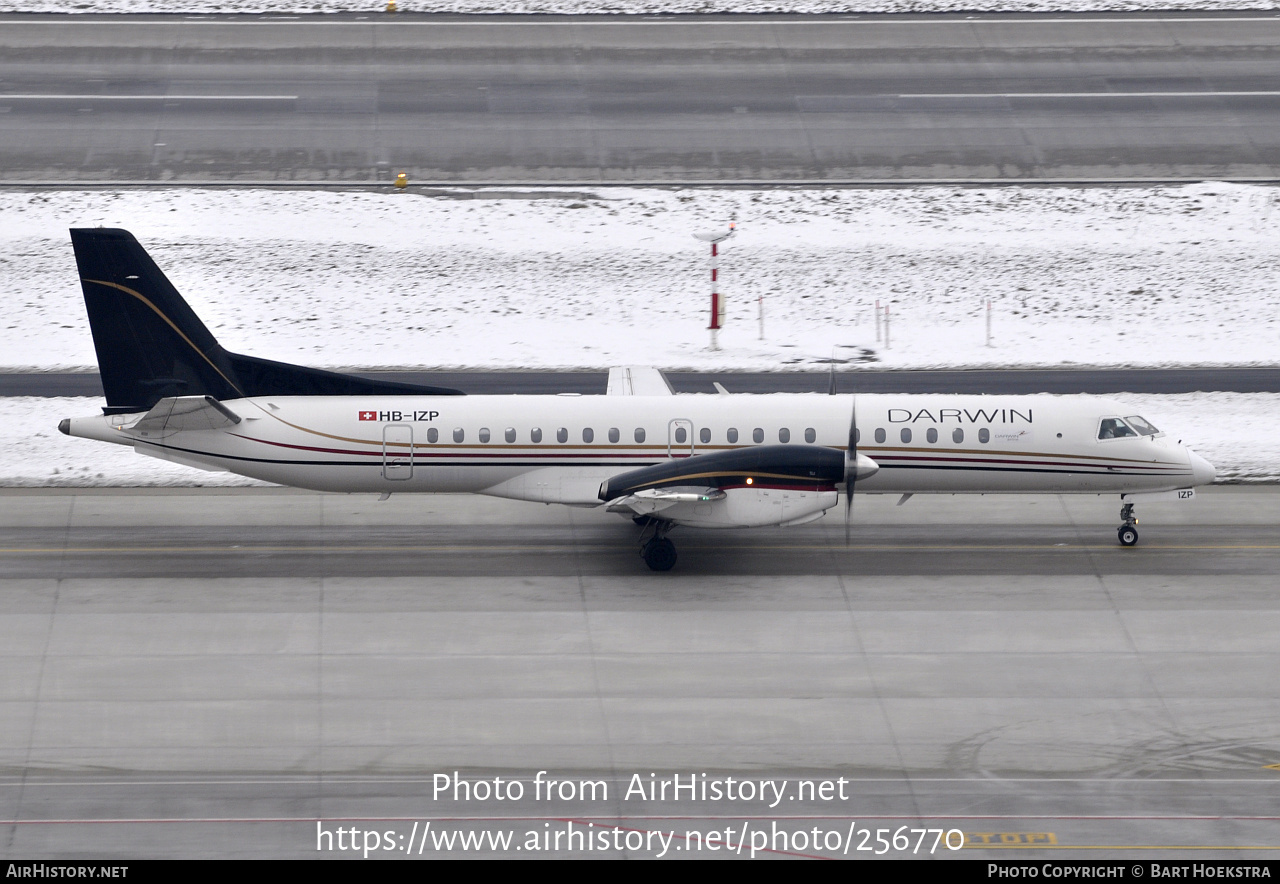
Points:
(63, 97)
(1200, 94)
(1005, 845)
(1009, 839)
(906, 95)
(352, 184)
(1134, 847)
(247, 549)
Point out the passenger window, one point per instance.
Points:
(957, 435)
(757, 434)
(905, 434)
(732, 435)
(931, 434)
(810, 435)
(484, 434)
(704, 435)
(1143, 427)
(536, 434)
(639, 434)
(510, 435)
(784, 435)
(984, 435)
(1114, 428)
(458, 434)
(880, 435)
(433, 435)
(588, 435)
(562, 435)
(614, 436)
(681, 435)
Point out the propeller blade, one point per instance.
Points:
(850, 470)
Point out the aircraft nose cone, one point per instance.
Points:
(1202, 472)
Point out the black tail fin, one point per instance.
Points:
(151, 344)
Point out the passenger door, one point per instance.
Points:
(397, 452)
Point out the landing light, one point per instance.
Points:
(749, 480)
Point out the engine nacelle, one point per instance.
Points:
(752, 508)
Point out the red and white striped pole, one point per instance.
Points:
(717, 307)
(717, 298)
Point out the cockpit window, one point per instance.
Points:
(1114, 428)
(1143, 426)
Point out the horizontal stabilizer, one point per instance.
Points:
(637, 380)
(179, 413)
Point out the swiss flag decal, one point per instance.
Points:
(368, 415)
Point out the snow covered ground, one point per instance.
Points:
(628, 7)
(1238, 433)
(1153, 276)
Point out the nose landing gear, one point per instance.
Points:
(1128, 532)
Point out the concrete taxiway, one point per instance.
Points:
(208, 673)
(629, 99)
(1250, 379)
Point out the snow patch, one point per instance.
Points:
(1153, 276)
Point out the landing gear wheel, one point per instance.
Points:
(659, 554)
(1128, 532)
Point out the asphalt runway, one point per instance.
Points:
(666, 100)
(211, 672)
(999, 381)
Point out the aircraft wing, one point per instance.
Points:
(177, 413)
(651, 500)
(705, 477)
(637, 380)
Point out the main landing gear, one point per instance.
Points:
(659, 553)
(1128, 532)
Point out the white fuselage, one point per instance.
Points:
(560, 448)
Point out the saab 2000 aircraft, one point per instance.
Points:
(708, 461)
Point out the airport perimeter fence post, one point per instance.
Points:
(886, 327)
(988, 322)
(877, 320)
